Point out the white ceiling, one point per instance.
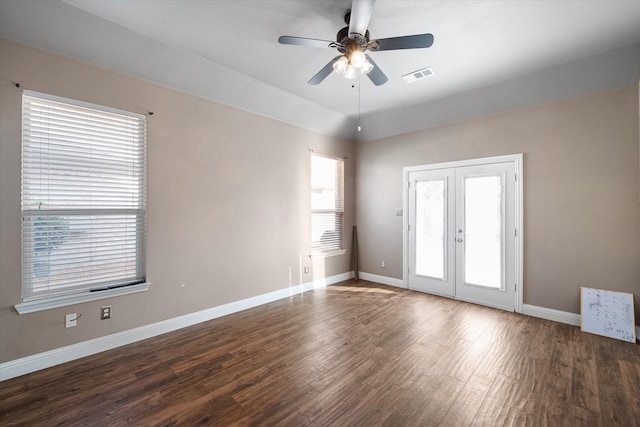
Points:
(228, 50)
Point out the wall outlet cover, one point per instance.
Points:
(105, 312)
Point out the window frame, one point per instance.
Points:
(317, 251)
(134, 212)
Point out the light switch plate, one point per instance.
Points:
(71, 320)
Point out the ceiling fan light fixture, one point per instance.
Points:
(351, 72)
(366, 67)
(350, 62)
(340, 66)
(357, 58)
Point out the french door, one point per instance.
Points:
(461, 229)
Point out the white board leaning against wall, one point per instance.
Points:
(607, 313)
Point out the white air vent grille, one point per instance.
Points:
(418, 75)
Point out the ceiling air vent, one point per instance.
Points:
(418, 75)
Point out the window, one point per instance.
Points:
(327, 203)
(83, 199)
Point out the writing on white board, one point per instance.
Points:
(607, 313)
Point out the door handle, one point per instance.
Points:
(459, 239)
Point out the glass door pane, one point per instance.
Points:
(483, 231)
(430, 228)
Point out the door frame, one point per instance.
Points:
(517, 160)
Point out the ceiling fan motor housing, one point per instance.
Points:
(345, 44)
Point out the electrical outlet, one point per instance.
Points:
(105, 312)
(71, 320)
(383, 264)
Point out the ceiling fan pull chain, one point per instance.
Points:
(359, 80)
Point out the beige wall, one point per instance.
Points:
(581, 206)
(228, 209)
(228, 201)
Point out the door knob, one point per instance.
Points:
(459, 230)
(459, 239)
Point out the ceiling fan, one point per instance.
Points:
(353, 41)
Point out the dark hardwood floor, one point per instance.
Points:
(356, 353)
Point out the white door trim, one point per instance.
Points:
(517, 159)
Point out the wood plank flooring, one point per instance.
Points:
(356, 353)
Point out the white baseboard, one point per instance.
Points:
(332, 280)
(551, 314)
(61, 355)
(398, 283)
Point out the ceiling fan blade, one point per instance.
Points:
(417, 41)
(361, 11)
(376, 75)
(303, 41)
(323, 73)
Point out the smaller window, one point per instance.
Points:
(327, 203)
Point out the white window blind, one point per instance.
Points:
(83, 197)
(327, 203)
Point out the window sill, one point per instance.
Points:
(321, 255)
(64, 300)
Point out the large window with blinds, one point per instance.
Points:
(83, 198)
(327, 203)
